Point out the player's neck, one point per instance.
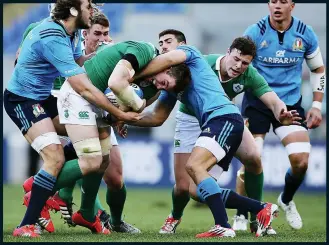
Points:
(69, 25)
(222, 70)
(281, 26)
(88, 50)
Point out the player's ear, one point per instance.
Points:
(84, 33)
(74, 12)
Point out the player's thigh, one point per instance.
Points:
(79, 119)
(60, 128)
(187, 131)
(248, 152)
(217, 143)
(105, 142)
(113, 175)
(115, 166)
(182, 178)
(35, 123)
(295, 139)
(50, 105)
(292, 133)
(297, 143)
(115, 161)
(77, 114)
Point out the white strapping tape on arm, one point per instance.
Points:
(318, 80)
(129, 98)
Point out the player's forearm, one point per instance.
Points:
(273, 102)
(162, 62)
(151, 100)
(89, 92)
(148, 119)
(97, 98)
(277, 109)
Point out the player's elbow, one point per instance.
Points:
(320, 69)
(117, 85)
(158, 123)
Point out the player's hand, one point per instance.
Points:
(289, 117)
(122, 129)
(89, 56)
(129, 117)
(313, 118)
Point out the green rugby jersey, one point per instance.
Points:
(249, 80)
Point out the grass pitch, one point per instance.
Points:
(147, 210)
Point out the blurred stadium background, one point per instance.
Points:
(147, 153)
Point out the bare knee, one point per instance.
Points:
(113, 175)
(182, 186)
(252, 162)
(90, 163)
(104, 164)
(53, 156)
(113, 178)
(192, 168)
(114, 183)
(299, 163)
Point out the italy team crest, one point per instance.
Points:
(38, 110)
(297, 45)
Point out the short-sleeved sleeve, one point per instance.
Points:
(188, 51)
(167, 99)
(257, 83)
(27, 31)
(251, 32)
(311, 41)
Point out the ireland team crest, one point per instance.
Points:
(297, 45)
(238, 88)
(38, 110)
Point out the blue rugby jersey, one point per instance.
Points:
(205, 95)
(280, 56)
(47, 52)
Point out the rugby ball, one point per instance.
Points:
(115, 101)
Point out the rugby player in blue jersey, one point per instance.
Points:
(51, 49)
(283, 42)
(186, 76)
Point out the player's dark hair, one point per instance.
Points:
(101, 19)
(178, 34)
(62, 8)
(245, 44)
(182, 75)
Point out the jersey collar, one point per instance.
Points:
(218, 69)
(291, 23)
(74, 34)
